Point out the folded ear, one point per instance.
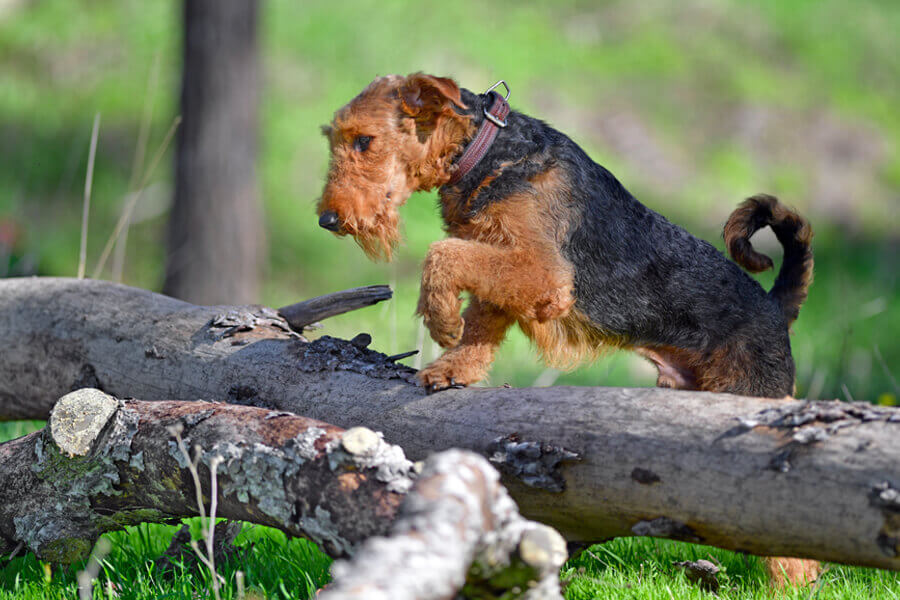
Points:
(422, 94)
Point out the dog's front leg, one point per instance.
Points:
(469, 361)
(526, 282)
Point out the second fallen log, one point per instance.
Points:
(102, 463)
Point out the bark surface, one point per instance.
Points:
(771, 477)
(457, 529)
(102, 463)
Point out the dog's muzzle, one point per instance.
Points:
(329, 220)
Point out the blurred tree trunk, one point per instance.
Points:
(215, 229)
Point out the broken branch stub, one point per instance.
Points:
(303, 314)
(457, 529)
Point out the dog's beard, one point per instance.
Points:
(378, 235)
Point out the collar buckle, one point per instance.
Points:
(494, 119)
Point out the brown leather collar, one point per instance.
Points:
(494, 121)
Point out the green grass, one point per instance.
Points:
(272, 566)
(640, 568)
(719, 100)
(277, 568)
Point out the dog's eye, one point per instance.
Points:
(361, 143)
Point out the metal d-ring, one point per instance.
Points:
(503, 83)
(488, 115)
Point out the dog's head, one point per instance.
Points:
(399, 135)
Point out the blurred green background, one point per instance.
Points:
(694, 105)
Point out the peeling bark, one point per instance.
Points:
(102, 463)
(770, 477)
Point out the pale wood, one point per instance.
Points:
(457, 529)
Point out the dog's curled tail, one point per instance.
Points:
(795, 235)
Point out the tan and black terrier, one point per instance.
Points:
(542, 236)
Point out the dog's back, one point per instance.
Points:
(662, 289)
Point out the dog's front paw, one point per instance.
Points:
(554, 304)
(446, 372)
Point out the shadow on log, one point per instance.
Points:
(770, 477)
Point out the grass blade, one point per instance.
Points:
(88, 183)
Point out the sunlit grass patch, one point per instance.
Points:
(272, 567)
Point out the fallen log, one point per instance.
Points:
(772, 477)
(102, 463)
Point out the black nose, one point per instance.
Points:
(329, 220)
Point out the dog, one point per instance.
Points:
(542, 236)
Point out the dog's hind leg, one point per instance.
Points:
(784, 571)
(674, 369)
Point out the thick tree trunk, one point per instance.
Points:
(215, 229)
(771, 477)
(102, 463)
